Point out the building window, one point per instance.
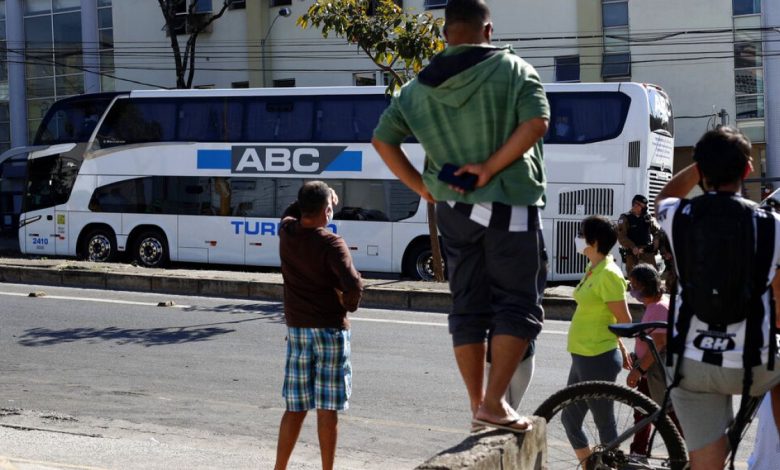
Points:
(614, 13)
(435, 4)
(184, 21)
(280, 3)
(746, 7)
(616, 66)
(372, 4)
(749, 70)
(364, 79)
(106, 45)
(284, 83)
(616, 59)
(53, 55)
(239, 85)
(567, 69)
(237, 5)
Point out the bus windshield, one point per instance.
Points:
(72, 120)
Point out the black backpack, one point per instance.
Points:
(724, 250)
(718, 268)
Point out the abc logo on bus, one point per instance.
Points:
(283, 159)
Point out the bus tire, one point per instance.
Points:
(418, 261)
(150, 249)
(99, 245)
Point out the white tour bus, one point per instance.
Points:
(204, 175)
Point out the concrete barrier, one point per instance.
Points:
(493, 450)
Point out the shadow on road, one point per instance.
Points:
(156, 336)
(272, 311)
(146, 337)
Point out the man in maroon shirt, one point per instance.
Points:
(320, 286)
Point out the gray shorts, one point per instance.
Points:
(703, 400)
(496, 277)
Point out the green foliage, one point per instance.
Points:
(399, 43)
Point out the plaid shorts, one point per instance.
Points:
(318, 373)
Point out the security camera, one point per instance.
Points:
(285, 12)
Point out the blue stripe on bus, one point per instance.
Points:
(350, 160)
(214, 159)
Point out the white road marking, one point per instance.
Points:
(424, 323)
(154, 304)
(6, 463)
(91, 299)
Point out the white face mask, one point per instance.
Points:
(580, 244)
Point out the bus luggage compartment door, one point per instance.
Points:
(218, 237)
(369, 242)
(39, 233)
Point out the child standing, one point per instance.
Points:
(647, 375)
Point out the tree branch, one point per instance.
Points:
(167, 7)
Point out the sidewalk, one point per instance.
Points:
(380, 293)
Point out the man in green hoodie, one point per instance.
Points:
(484, 110)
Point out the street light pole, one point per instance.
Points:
(282, 12)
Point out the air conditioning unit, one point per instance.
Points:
(198, 20)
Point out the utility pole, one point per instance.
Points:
(722, 114)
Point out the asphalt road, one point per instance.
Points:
(118, 382)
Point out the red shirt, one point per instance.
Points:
(320, 282)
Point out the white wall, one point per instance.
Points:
(143, 51)
(520, 26)
(316, 61)
(700, 74)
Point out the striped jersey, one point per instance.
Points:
(500, 216)
(720, 345)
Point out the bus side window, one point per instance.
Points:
(138, 121)
(287, 119)
(209, 120)
(368, 109)
(335, 119)
(254, 197)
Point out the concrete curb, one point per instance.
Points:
(375, 296)
(491, 450)
(378, 295)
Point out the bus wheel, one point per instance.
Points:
(99, 246)
(151, 249)
(418, 262)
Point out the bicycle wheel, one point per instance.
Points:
(666, 448)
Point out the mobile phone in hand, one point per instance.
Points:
(466, 181)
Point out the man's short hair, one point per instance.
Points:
(470, 12)
(722, 155)
(313, 197)
(601, 230)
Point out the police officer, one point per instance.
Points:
(638, 234)
(669, 275)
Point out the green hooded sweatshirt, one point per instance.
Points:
(462, 108)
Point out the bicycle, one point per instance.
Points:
(668, 453)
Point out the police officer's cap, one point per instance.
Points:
(639, 198)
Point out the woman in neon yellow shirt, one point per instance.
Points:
(596, 353)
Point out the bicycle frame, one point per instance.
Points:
(735, 431)
(654, 416)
